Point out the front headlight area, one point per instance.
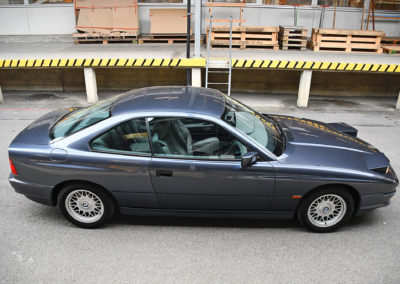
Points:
(388, 172)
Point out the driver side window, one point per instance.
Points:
(193, 138)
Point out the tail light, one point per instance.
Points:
(13, 170)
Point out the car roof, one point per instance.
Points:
(171, 98)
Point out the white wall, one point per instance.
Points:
(60, 19)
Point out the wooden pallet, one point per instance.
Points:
(390, 41)
(244, 37)
(105, 38)
(292, 38)
(346, 40)
(166, 38)
(391, 49)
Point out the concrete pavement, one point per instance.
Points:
(38, 246)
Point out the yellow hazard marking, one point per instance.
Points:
(14, 63)
(350, 66)
(265, 63)
(299, 64)
(157, 62)
(291, 65)
(46, 63)
(174, 62)
(333, 66)
(54, 62)
(30, 62)
(359, 66)
(239, 63)
(375, 67)
(139, 62)
(367, 67)
(96, 62)
(257, 63)
(341, 66)
(274, 64)
(22, 63)
(248, 63)
(38, 62)
(166, 62)
(147, 62)
(104, 62)
(283, 64)
(71, 62)
(397, 69)
(325, 65)
(130, 62)
(391, 68)
(308, 65)
(87, 62)
(79, 62)
(1, 62)
(382, 68)
(7, 63)
(317, 65)
(112, 62)
(63, 62)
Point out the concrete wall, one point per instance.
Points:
(60, 19)
(261, 81)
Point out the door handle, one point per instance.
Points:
(165, 173)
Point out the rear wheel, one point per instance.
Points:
(326, 210)
(85, 205)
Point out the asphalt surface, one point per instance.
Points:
(38, 246)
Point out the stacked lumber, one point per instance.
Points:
(390, 41)
(346, 40)
(292, 38)
(106, 21)
(391, 49)
(244, 37)
(166, 38)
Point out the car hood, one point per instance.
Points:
(316, 143)
(38, 132)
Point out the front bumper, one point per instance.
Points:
(35, 192)
(373, 201)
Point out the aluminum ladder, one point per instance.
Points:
(219, 65)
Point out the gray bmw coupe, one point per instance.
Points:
(186, 151)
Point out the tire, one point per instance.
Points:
(326, 210)
(85, 205)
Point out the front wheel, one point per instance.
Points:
(326, 210)
(86, 206)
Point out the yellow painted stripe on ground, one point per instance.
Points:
(1, 62)
(397, 69)
(22, 63)
(265, 63)
(79, 62)
(350, 66)
(96, 62)
(14, 63)
(358, 67)
(174, 62)
(104, 62)
(333, 66)
(130, 62)
(283, 64)
(30, 62)
(274, 64)
(38, 62)
(382, 68)
(257, 63)
(54, 63)
(233, 61)
(248, 63)
(157, 62)
(316, 65)
(299, 64)
(139, 62)
(166, 62)
(88, 62)
(46, 63)
(239, 63)
(341, 66)
(367, 67)
(112, 62)
(308, 65)
(63, 62)
(147, 62)
(325, 65)
(391, 68)
(375, 67)
(291, 65)
(71, 62)
(192, 62)
(121, 62)
(7, 63)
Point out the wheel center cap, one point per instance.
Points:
(85, 204)
(325, 209)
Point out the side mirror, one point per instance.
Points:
(249, 158)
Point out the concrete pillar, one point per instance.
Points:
(91, 85)
(196, 77)
(304, 88)
(1, 96)
(397, 105)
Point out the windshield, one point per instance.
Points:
(262, 129)
(82, 118)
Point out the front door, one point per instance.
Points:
(196, 165)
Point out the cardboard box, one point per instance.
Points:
(168, 21)
(104, 16)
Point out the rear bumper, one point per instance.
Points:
(35, 192)
(373, 201)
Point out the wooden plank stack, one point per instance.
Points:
(105, 38)
(166, 38)
(391, 49)
(292, 38)
(390, 41)
(346, 40)
(244, 37)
